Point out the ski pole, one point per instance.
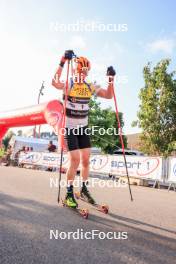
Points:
(122, 143)
(63, 126)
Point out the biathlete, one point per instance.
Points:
(77, 109)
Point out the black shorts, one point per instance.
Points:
(77, 139)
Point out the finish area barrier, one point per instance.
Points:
(172, 169)
(140, 167)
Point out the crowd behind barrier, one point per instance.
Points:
(11, 155)
(143, 167)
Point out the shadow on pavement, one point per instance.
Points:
(137, 222)
(25, 227)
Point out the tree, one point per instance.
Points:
(104, 118)
(20, 133)
(157, 113)
(2, 152)
(8, 138)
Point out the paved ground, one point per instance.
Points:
(28, 211)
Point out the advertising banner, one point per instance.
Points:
(43, 159)
(100, 163)
(140, 167)
(172, 170)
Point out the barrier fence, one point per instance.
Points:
(172, 169)
(152, 168)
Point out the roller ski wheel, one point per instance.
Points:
(105, 208)
(81, 211)
(77, 195)
(102, 208)
(84, 213)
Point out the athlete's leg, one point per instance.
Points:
(85, 156)
(72, 146)
(71, 141)
(85, 150)
(74, 160)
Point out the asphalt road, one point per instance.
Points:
(29, 211)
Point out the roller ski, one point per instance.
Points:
(71, 203)
(85, 196)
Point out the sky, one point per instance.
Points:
(35, 34)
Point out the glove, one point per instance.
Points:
(111, 71)
(69, 54)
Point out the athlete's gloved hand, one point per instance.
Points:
(111, 71)
(69, 54)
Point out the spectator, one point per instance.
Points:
(27, 149)
(23, 149)
(18, 154)
(16, 158)
(51, 147)
(8, 155)
(31, 149)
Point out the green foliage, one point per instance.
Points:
(7, 138)
(104, 118)
(2, 152)
(157, 114)
(20, 133)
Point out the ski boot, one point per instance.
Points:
(70, 200)
(85, 195)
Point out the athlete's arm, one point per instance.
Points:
(107, 93)
(56, 80)
(68, 55)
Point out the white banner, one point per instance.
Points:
(172, 170)
(100, 163)
(43, 159)
(140, 167)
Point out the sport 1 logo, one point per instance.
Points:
(33, 157)
(148, 166)
(174, 169)
(99, 162)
